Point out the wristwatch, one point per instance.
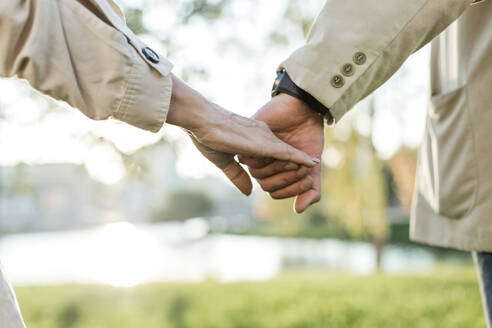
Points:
(283, 84)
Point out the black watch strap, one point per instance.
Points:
(283, 84)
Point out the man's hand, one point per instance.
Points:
(221, 135)
(296, 124)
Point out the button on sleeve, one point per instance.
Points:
(151, 55)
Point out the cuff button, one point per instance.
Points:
(151, 55)
(359, 58)
(348, 70)
(337, 81)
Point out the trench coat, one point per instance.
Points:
(81, 52)
(355, 46)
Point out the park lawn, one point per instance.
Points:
(447, 298)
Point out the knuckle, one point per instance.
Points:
(254, 173)
(263, 171)
(279, 165)
(265, 186)
(235, 175)
(232, 171)
(303, 171)
(286, 180)
(227, 168)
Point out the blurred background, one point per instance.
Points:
(105, 225)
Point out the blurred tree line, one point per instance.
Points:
(184, 204)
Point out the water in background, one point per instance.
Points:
(123, 254)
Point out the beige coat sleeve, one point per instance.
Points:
(82, 52)
(356, 45)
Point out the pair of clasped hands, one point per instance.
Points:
(281, 145)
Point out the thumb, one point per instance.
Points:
(238, 176)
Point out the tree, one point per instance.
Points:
(356, 192)
(184, 204)
(403, 166)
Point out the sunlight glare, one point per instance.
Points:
(125, 255)
(104, 164)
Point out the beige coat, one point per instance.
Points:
(355, 46)
(81, 52)
(453, 196)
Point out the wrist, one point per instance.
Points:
(297, 107)
(188, 108)
(284, 85)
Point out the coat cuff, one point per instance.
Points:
(316, 85)
(349, 54)
(146, 98)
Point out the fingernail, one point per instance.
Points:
(316, 160)
(306, 184)
(303, 171)
(291, 166)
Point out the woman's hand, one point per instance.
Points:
(221, 135)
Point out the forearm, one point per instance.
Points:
(188, 108)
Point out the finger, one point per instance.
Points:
(286, 152)
(306, 199)
(272, 169)
(284, 179)
(294, 189)
(255, 162)
(238, 177)
(303, 201)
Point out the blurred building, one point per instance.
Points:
(64, 196)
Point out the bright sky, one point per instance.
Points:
(239, 79)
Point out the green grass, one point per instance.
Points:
(447, 298)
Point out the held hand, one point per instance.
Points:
(221, 135)
(296, 124)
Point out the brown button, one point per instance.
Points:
(337, 81)
(348, 70)
(359, 58)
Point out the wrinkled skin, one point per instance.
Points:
(220, 135)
